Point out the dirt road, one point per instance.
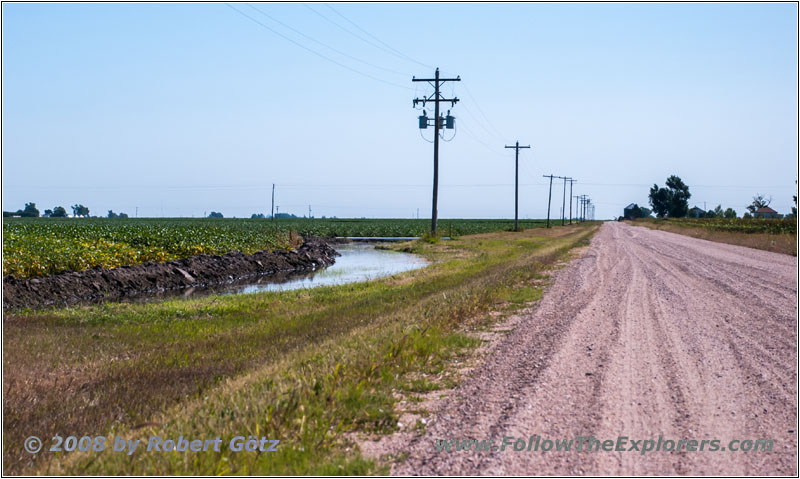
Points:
(649, 334)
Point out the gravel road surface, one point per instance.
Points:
(648, 334)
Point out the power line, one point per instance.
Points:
(480, 123)
(388, 50)
(398, 52)
(470, 134)
(480, 110)
(297, 185)
(310, 50)
(325, 44)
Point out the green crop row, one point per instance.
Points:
(740, 225)
(34, 247)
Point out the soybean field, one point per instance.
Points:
(35, 247)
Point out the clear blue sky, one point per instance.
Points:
(181, 109)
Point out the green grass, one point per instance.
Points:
(306, 367)
(34, 247)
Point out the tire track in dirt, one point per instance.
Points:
(649, 333)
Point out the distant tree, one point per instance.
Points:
(257, 216)
(715, 213)
(30, 211)
(215, 214)
(59, 212)
(729, 213)
(636, 212)
(47, 213)
(111, 214)
(122, 215)
(671, 201)
(759, 201)
(80, 210)
(746, 216)
(659, 199)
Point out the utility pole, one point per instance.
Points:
(436, 98)
(571, 181)
(273, 203)
(309, 211)
(549, 197)
(577, 210)
(584, 201)
(564, 202)
(516, 184)
(137, 211)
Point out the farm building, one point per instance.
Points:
(766, 212)
(630, 211)
(633, 211)
(696, 213)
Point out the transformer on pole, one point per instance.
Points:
(438, 123)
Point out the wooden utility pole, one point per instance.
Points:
(436, 98)
(577, 209)
(516, 184)
(584, 203)
(273, 202)
(571, 181)
(564, 201)
(549, 197)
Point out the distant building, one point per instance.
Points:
(630, 211)
(766, 212)
(633, 211)
(696, 213)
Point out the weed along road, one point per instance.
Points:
(669, 341)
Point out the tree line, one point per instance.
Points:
(672, 201)
(78, 211)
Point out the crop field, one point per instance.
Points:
(331, 227)
(738, 225)
(38, 247)
(776, 235)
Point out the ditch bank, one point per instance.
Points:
(100, 284)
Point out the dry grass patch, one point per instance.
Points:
(776, 243)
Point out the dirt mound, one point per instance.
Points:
(197, 271)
